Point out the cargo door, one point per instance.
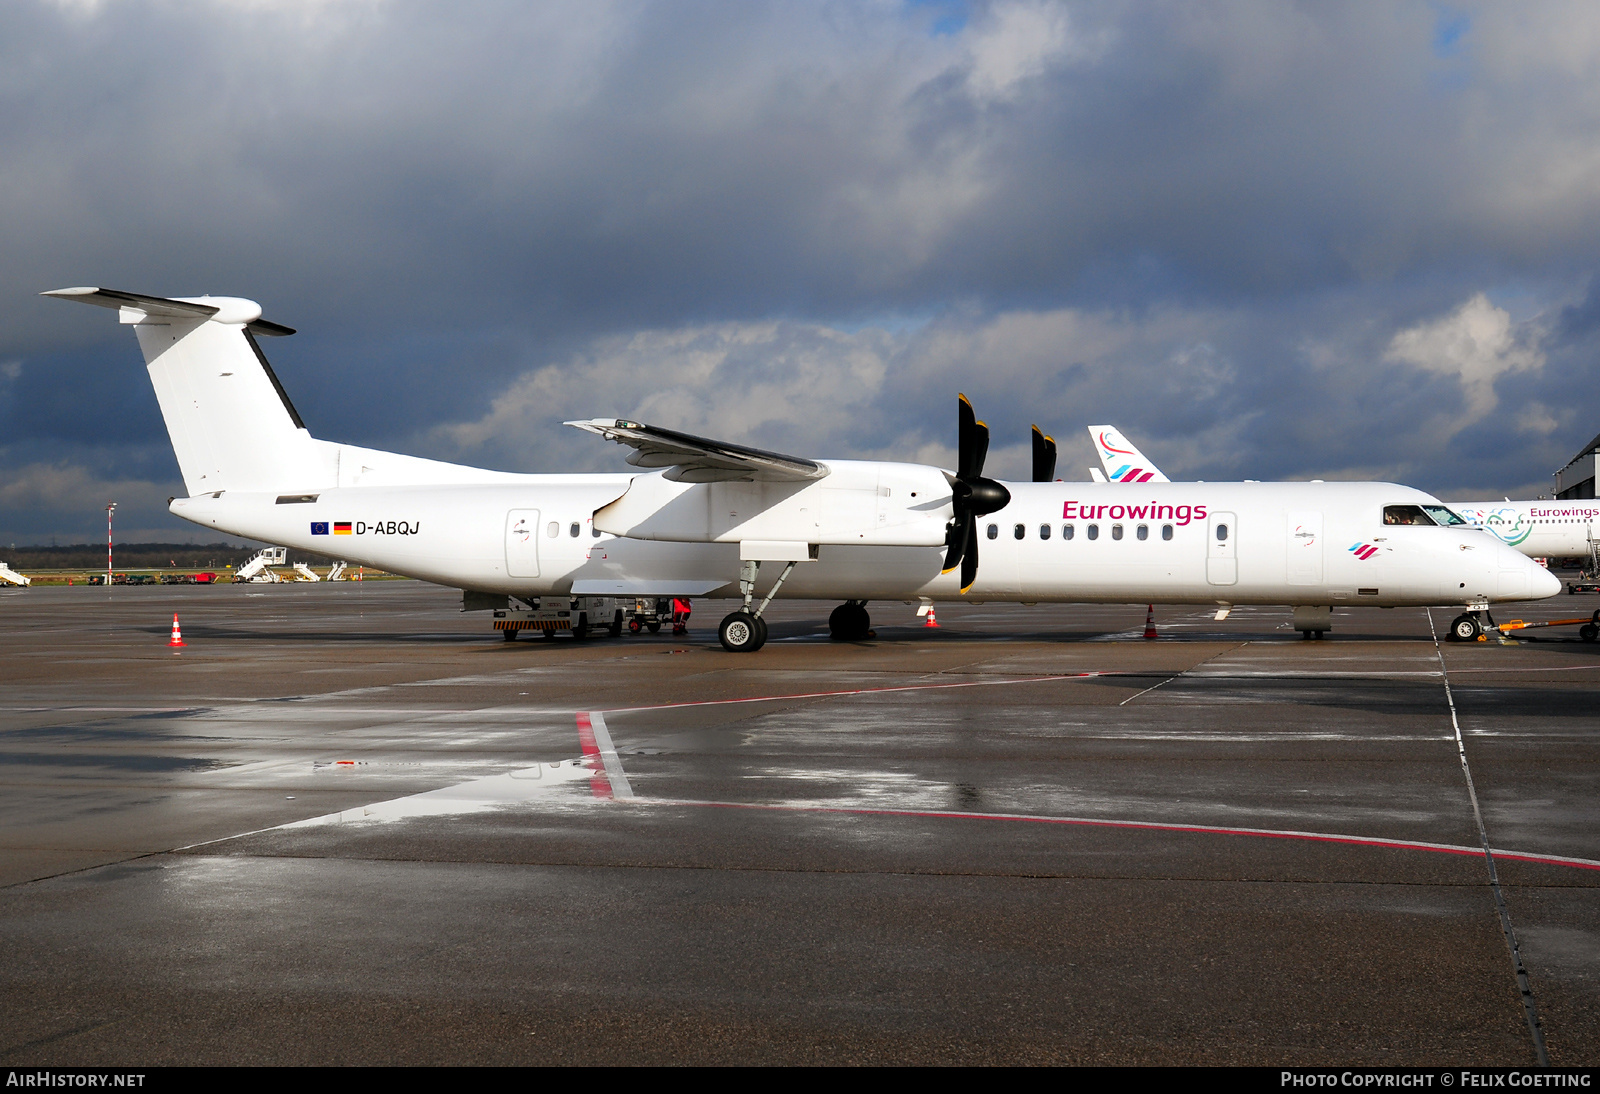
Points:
(1222, 560)
(522, 543)
(1305, 547)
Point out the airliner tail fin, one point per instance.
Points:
(231, 423)
(1123, 462)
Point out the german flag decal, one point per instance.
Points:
(341, 528)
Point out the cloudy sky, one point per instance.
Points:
(1267, 240)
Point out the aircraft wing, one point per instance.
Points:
(698, 459)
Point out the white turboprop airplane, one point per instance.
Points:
(700, 517)
(1538, 529)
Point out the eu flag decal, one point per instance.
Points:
(319, 527)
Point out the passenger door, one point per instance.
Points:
(522, 543)
(1222, 561)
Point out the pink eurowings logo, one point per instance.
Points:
(1363, 551)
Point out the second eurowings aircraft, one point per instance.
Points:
(1538, 529)
(700, 517)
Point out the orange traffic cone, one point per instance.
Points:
(1150, 622)
(930, 621)
(177, 635)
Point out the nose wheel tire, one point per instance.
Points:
(742, 632)
(1465, 628)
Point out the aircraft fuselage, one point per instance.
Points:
(1221, 543)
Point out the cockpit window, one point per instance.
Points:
(1405, 514)
(1444, 516)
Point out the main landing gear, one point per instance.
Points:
(849, 622)
(744, 631)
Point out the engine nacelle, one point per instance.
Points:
(886, 504)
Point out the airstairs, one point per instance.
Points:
(259, 567)
(302, 572)
(337, 573)
(8, 576)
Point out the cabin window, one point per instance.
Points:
(994, 531)
(1116, 531)
(1222, 533)
(1066, 531)
(1144, 531)
(1093, 531)
(575, 529)
(1019, 531)
(1405, 514)
(1044, 531)
(1166, 531)
(553, 530)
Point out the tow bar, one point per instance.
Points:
(1588, 626)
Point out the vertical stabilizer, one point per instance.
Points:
(1123, 462)
(231, 423)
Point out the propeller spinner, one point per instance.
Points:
(972, 496)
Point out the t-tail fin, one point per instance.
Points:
(231, 423)
(1123, 462)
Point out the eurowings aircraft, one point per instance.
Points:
(1538, 529)
(700, 517)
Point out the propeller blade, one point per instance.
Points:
(956, 541)
(969, 557)
(966, 437)
(1044, 456)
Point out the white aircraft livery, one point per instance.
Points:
(1539, 529)
(700, 517)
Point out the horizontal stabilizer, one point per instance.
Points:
(697, 459)
(225, 309)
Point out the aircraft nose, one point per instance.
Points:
(1543, 584)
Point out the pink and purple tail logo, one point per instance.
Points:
(1363, 551)
(1127, 472)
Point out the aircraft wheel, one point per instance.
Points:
(655, 627)
(741, 632)
(616, 625)
(1465, 628)
(580, 629)
(1589, 632)
(761, 623)
(849, 622)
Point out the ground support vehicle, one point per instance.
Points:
(580, 616)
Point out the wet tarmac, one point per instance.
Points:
(351, 824)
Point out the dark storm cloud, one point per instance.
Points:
(808, 225)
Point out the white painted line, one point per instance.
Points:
(608, 755)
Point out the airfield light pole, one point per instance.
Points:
(109, 510)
